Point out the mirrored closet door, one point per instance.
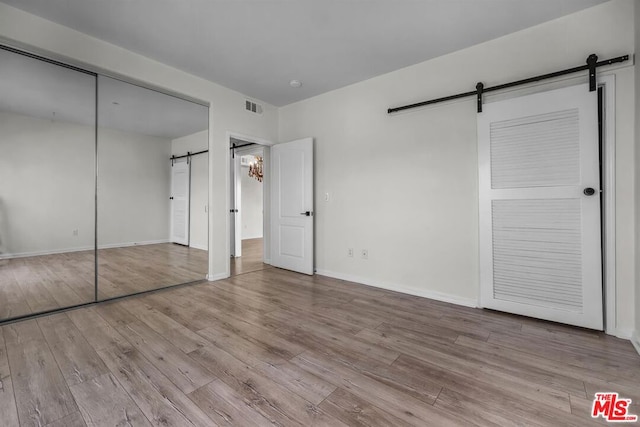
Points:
(151, 209)
(103, 187)
(47, 186)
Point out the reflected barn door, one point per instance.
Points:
(539, 192)
(180, 190)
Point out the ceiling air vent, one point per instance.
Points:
(253, 107)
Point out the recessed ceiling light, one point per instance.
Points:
(295, 83)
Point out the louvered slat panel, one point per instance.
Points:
(536, 151)
(537, 252)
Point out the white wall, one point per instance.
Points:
(226, 111)
(405, 186)
(134, 182)
(198, 215)
(47, 186)
(251, 205)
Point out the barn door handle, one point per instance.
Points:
(589, 191)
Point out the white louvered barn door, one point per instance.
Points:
(540, 252)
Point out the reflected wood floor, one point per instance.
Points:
(274, 347)
(48, 282)
(251, 259)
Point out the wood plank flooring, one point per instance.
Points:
(274, 347)
(251, 259)
(42, 283)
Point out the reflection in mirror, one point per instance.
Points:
(47, 186)
(152, 211)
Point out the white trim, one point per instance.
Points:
(245, 151)
(609, 204)
(44, 253)
(124, 245)
(635, 340)
(211, 234)
(81, 249)
(214, 277)
(438, 296)
(200, 247)
(248, 138)
(622, 333)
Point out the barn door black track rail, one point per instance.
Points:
(188, 156)
(591, 65)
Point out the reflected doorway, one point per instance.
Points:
(248, 192)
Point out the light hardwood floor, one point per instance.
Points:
(36, 284)
(274, 347)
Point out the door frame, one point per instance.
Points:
(608, 203)
(608, 185)
(235, 203)
(266, 194)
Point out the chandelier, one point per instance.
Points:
(255, 168)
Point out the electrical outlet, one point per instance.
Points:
(365, 254)
(75, 232)
(350, 252)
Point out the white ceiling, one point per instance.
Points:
(257, 46)
(36, 88)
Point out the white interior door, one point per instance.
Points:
(180, 190)
(292, 205)
(540, 250)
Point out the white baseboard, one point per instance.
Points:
(219, 276)
(257, 236)
(622, 333)
(635, 340)
(80, 249)
(126, 245)
(267, 261)
(42, 253)
(438, 296)
(201, 247)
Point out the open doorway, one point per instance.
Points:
(247, 206)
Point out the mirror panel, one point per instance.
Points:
(152, 218)
(47, 186)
